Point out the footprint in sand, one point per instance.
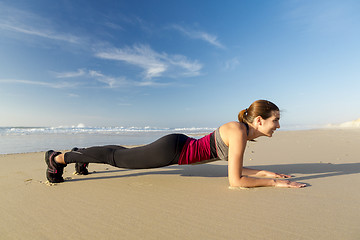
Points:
(28, 181)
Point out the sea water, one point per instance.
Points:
(35, 139)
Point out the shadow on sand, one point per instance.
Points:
(313, 170)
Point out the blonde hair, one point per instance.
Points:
(261, 108)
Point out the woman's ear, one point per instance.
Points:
(258, 121)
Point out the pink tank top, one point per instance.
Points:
(195, 150)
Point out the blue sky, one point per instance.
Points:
(184, 63)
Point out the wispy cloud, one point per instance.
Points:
(78, 73)
(114, 82)
(73, 95)
(151, 83)
(113, 26)
(141, 56)
(232, 63)
(44, 33)
(207, 37)
(108, 81)
(24, 22)
(111, 82)
(39, 83)
(155, 64)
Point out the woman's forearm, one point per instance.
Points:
(251, 172)
(249, 182)
(262, 173)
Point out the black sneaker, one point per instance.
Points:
(55, 170)
(80, 168)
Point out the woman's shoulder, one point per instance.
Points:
(231, 129)
(233, 126)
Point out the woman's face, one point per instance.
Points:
(270, 124)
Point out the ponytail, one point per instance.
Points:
(242, 116)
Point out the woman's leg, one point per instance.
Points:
(100, 154)
(56, 160)
(163, 152)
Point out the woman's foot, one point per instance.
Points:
(54, 170)
(80, 168)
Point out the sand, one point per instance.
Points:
(192, 202)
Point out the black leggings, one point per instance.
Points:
(163, 152)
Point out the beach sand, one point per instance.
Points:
(192, 202)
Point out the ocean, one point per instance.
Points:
(36, 139)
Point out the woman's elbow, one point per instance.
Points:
(235, 182)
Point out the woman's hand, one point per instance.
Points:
(288, 184)
(279, 175)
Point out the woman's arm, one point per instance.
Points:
(249, 182)
(263, 173)
(234, 134)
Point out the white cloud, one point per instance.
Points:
(232, 63)
(111, 82)
(149, 83)
(139, 55)
(113, 26)
(39, 83)
(45, 33)
(155, 64)
(209, 38)
(24, 22)
(78, 73)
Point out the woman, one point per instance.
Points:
(228, 142)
